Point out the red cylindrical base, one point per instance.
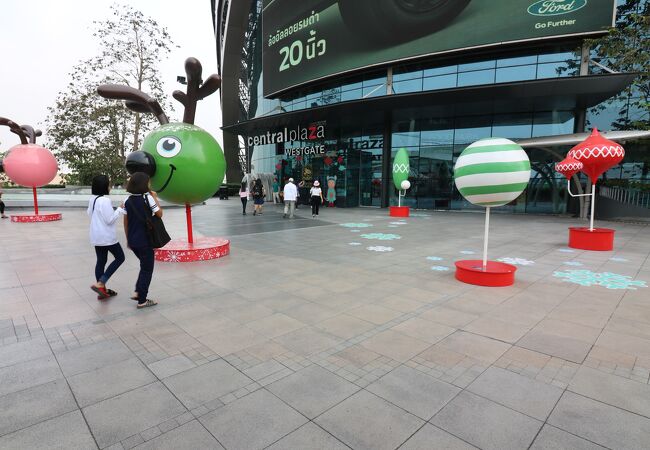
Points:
(496, 274)
(31, 218)
(202, 249)
(599, 239)
(399, 211)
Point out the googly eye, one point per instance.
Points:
(168, 147)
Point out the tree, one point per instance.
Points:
(626, 48)
(91, 135)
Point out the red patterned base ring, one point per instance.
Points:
(399, 211)
(496, 274)
(31, 218)
(599, 239)
(202, 249)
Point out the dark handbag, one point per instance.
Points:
(158, 236)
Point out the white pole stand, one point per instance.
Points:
(485, 237)
(593, 204)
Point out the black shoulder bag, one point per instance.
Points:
(158, 236)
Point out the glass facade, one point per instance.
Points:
(355, 152)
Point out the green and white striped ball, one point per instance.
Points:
(492, 172)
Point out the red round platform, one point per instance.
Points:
(399, 211)
(471, 271)
(32, 218)
(202, 249)
(599, 239)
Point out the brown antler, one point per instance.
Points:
(15, 128)
(196, 88)
(31, 133)
(134, 99)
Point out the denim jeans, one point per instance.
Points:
(102, 251)
(146, 257)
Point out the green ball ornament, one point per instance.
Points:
(190, 165)
(401, 168)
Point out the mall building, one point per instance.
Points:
(330, 90)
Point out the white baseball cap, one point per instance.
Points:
(291, 180)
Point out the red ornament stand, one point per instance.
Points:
(36, 217)
(496, 274)
(598, 239)
(190, 250)
(399, 211)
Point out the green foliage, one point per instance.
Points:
(626, 48)
(90, 135)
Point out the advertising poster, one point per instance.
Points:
(308, 40)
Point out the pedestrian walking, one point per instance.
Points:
(276, 191)
(258, 196)
(316, 198)
(290, 195)
(243, 195)
(2, 206)
(141, 202)
(103, 219)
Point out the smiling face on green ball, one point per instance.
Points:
(190, 164)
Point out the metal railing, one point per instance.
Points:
(627, 196)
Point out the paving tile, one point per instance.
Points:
(252, 422)
(264, 369)
(624, 343)
(360, 422)
(565, 340)
(307, 341)
(358, 355)
(68, 431)
(109, 381)
(92, 357)
(192, 435)
(312, 390)
(551, 438)
(28, 374)
(429, 437)
(486, 424)
(417, 393)
(23, 351)
(27, 407)
(478, 347)
(120, 417)
(374, 313)
(424, 330)
(613, 390)
(231, 339)
(522, 394)
(171, 366)
(600, 423)
(207, 382)
(275, 325)
(497, 329)
(308, 436)
(345, 326)
(395, 345)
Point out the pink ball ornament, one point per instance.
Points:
(30, 165)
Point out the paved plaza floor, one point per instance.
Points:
(347, 331)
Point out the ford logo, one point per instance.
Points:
(555, 7)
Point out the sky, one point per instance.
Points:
(42, 40)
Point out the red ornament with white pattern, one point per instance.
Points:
(597, 154)
(568, 167)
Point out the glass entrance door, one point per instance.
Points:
(370, 177)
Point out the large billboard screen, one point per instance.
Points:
(306, 40)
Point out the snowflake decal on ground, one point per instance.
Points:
(393, 226)
(573, 263)
(398, 223)
(467, 252)
(420, 215)
(381, 236)
(605, 279)
(517, 261)
(434, 258)
(565, 250)
(380, 248)
(617, 259)
(440, 268)
(355, 243)
(355, 231)
(355, 225)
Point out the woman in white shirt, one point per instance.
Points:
(243, 195)
(102, 235)
(316, 195)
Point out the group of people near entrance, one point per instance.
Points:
(289, 196)
(137, 208)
